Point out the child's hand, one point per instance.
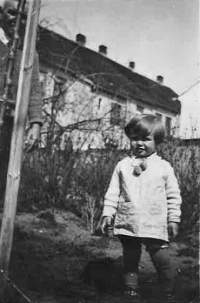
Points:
(173, 229)
(106, 222)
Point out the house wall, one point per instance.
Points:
(86, 114)
(175, 119)
(190, 117)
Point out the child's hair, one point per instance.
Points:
(145, 125)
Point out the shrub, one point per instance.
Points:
(185, 159)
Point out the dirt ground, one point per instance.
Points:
(56, 260)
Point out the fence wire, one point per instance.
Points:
(16, 287)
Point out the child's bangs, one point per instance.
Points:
(143, 128)
(145, 125)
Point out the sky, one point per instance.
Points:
(160, 36)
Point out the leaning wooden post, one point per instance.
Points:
(14, 166)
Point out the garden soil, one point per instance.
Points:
(55, 259)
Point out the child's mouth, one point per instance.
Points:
(140, 150)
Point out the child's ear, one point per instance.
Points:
(156, 144)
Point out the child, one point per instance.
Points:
(143, 200)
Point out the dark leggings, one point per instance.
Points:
(159, 253)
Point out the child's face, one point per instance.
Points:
(142, 146)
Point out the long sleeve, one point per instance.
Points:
(35, 102)
(112, 195)
(173, 196)
(35, 98)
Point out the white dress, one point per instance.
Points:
(143, 205)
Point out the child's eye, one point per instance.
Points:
(134, 138)
(147, 139)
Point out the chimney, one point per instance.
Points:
(132, 65)
(103, 50)
(81, 39)
(160, 79)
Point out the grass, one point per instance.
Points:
(64, 262)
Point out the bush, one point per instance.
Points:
(185, 159)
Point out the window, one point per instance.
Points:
(168, 125)
(140, 109)
(159, 116)
(115, 114)
(99, 104)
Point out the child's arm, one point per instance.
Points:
(173, 202)
(111, 201)
(112, 195)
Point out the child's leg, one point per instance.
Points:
(131, 253)
(159, 252)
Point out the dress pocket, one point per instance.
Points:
(127, 217)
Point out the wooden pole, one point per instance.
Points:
(14, 166)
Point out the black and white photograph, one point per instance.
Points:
(99, 151)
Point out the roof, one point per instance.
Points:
(67, 56)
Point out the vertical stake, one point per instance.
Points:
(16, 150)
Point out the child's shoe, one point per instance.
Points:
(131, 294)
(169, 297)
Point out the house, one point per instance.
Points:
(190, 114)
(97, 95)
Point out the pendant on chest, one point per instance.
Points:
(139, 167)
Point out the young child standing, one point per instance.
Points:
(143, 203)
